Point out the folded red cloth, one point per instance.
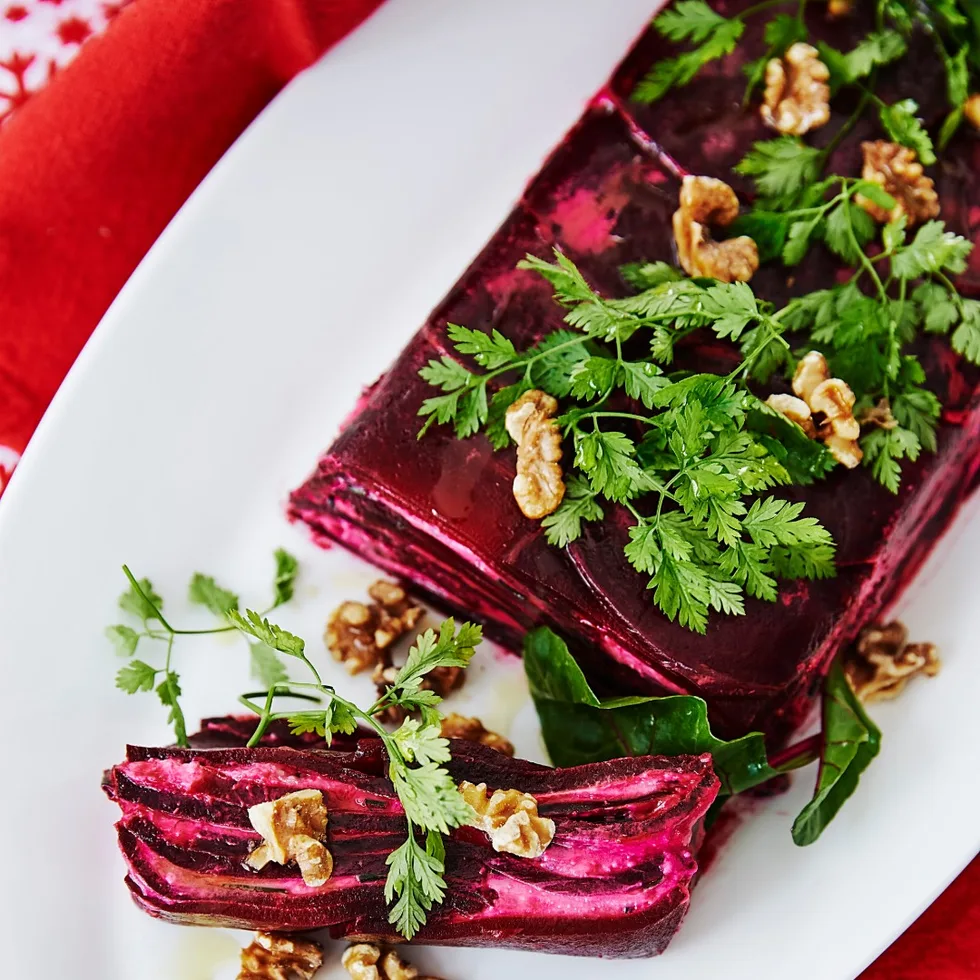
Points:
(94, 166)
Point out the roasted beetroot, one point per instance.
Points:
(615, 880)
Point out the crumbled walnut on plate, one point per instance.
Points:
(293, 828)
(707, 201)
(366, 961)
(472, 730)
(538, 486)
(272, 956)
(797, 96)
(880, 415)
(510, 818)
(817, 392)
(882, 662)
(897, 169)
(359, 634)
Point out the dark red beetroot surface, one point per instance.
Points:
(615, 880)
(440, 512)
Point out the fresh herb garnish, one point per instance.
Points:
(688, 463)
(579, 728)
(416, 750)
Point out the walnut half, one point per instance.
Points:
(818, 393)
(293, 828)
(472, 730)
(707, 201)
(272, 956)
(510, 818)
(366, 961)
(898, 171)
(797, 96)
(530, 422)
(882, 662)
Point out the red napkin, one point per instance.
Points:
(94, 166)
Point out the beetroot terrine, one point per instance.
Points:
(440, 512)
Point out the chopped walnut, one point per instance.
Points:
(830, 397)
(796, 410)
(840, 8)
(511, 820)
(472, 730)
(366, 961)
(797, 96)
(272, 956)
(357, 634)
(293, 828)
(897, 169)
(971, 109)
(706, 201)
(882, 662)
(538, 486)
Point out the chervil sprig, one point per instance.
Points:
(416, 752)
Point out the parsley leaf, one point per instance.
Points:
(932, 250)
(903, 125)
(266, 665)
(287, 568)
(781, 166)
(253, 624)
(143, 603)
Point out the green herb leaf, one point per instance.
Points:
(903, 125)
(287, 568)
(136, 676)
(253, 624)
(781, 166)
(966, 337)
(451, 648)
(579, 504)
(850, 743)
(204, 591)
(490, 350)
(415, 878)
(421, 743)
(124, 639)
(266, 665)
(932, 250)
(608, 459)
(143, 603)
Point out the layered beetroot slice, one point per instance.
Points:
(615, 880)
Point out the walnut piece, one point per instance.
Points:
(472, 730)
(366, 961)
(511, 820)
(357, 634)
(797, 96)
(796, 410)
(882, 662)
(971, 109)
(706, 201)
(538, 486)
(880, 415)
(272, 956)
(293, 828)
(818, 393)
(839, 8)
(898, 171)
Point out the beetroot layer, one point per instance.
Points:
(614, 882)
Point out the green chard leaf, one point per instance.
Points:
(579, 728)
(850, 743)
